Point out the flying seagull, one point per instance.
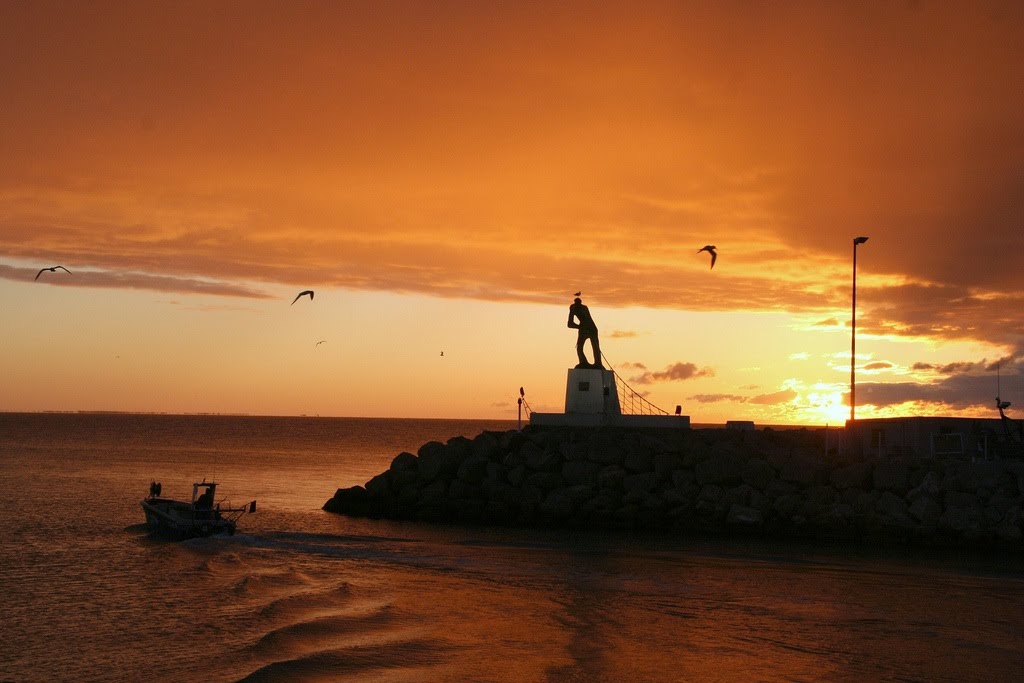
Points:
(302, 294)
(710, 248)
(319, 342)
(52, 270)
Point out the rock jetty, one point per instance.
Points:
(771, 483)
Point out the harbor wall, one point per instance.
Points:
(772, 483)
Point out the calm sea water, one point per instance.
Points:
(302, 595)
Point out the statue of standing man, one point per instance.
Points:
(579, 318)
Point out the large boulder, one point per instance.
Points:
(473, 469)
(645, 481)
(557, 506)
(638, 460)
(403, 462)
(925, 510)
(757, 473)
(380, 485)
(433, 492)
(891, 475)
(930, 486)
(350, 501)
(486, 446)
(434, 461)
(540, 459)
(611, 477)
(605, 452)
(742, 516)
(722, 470)
(855, 476)
(546, 481)
(803, 471)
(580, 472)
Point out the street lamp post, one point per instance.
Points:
(853, 329)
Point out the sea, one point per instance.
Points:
(298, 594)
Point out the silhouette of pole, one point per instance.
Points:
(853, 330)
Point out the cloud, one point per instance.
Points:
(717, 398)
(800, 355)
(478, 164)
(774, 398)
(878, 365)
(960, 391)
(623, 334)
(633, 366)
(130, 280)
(674, 373)
(955, 368)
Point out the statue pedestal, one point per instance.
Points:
(591, 391)
(592, 400)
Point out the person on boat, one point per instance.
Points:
(205, 500)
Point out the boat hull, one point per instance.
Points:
(178, 520)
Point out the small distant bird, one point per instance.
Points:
(302, 294)
(319, 342)
(442, 353)
(52, 270)
(710, 248)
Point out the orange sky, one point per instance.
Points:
(452, 172)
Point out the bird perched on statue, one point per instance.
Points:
(710, 248)
(302, 294)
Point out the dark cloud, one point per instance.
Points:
(957, 367)
(878, 365)
(717, 398)
(774, 398)
(827, 322)
(674, 373)
(623, 334)
(633, 366)
(959, 391)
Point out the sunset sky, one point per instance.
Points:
(446, 175)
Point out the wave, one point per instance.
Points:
(254, 584)
(328, 629)
(353, 662)
(307, 601)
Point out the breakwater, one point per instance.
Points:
(766, 482)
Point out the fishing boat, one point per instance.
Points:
(203, 516)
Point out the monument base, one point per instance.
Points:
(592, 400)
(591, 390)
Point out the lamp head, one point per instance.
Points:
(860, 240)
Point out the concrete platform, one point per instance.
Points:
(610, 420)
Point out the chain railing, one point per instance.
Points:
(631, 402)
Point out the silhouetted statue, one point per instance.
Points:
(587, 330)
